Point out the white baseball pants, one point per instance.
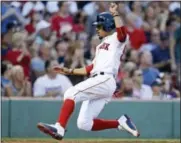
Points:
(95, 92)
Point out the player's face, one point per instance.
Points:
(100, 32)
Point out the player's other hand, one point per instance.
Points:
(113, 8)
(62, 70)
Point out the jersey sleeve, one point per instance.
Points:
(121, 34)
(89, 68)
(126, 40)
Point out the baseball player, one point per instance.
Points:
(97, 90)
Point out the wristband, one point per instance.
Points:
(115, 15)
(71, 71)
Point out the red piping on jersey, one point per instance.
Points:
(121, 33)
(89, 68)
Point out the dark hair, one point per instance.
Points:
(131, 74)
(169, 22)
(58, 42)
(77, 17)
(47, 64)
(60, 3)
(10, 26)
(4, 68)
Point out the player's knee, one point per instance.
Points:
(70, 93)
(84, 125)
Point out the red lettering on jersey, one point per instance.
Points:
(104, 46)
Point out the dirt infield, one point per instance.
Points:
(87, 141)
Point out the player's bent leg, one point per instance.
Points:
(85, 125)
(89, 111)
(97, 124)
(88, 120)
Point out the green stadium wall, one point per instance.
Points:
(154, 119)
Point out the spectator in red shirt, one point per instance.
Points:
(79, 22)
(34, 18)
(19, 54)
(61, 18)
(137, 35)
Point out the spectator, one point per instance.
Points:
(154, 41)
(34, 19)
(126, 89)
(6, 39)
(149, 73)
(137, 35)
(20, 86)
(5, 74)
(52, 7)
(75, 59)
(10, 14)
(43, 32)
(79, 22)
(175, 48)
(125, 71)
(161, 55)
(140, 90)
(168, 86)
(157, 90)
(38, 62)
(133, 56)
(51, 84)
(61, 18)
(137, 8)
(19, 55)
(61, 48)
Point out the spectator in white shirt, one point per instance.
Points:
(140, 90)
(51, 84)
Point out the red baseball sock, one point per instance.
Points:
(66, 111)
(100, 124)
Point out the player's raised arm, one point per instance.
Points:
(78, 71)
(121, 31)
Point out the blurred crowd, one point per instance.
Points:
(35, 36)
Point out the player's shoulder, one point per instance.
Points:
(114, 37)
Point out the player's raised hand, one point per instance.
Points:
(113, 8)
(62, 70)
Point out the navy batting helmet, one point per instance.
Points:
(106, 20)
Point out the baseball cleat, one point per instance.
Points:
(126, 124)
(55, 131)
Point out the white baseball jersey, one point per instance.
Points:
(108, 55)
